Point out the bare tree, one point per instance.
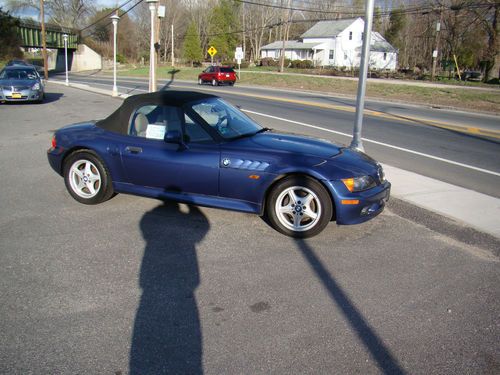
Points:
(65, 13)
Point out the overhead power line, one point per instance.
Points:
(110, 22)
(360, 12)
(107, 15)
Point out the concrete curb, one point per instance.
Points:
(477, 210)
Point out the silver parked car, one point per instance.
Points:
(20, 83)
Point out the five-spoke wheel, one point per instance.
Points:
(299, 206)
(86, 178)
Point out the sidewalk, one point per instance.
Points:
(479, 211)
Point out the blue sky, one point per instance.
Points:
(99, 3)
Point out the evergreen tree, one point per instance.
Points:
(9, 39)
(377, 19)
(223, 24)
(397, 22)
(192, 45)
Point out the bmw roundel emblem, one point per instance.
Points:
(226, 162)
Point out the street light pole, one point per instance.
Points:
(152, 73)
(65, 37)
(357, 142)
(114, 19)
(44, 42)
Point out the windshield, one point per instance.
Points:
(228, 121)
(18, 74)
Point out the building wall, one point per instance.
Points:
(86, 58)
(346, 49)
(383, 60)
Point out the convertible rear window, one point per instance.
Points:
(226, 70)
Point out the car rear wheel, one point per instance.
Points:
(87, 178)
(299, 206)
(214, 82)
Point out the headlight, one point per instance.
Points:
(36, 86)
(358, 183)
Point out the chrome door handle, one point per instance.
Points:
(133, 150)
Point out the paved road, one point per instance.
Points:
(460, 148)
(137, 286)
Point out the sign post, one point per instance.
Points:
(239, 54)
(212, 51)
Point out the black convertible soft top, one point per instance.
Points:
(118, 121)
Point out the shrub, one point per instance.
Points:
(268, 61)
(301, 64)
(120, 59)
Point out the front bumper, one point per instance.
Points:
(24, 95)
(371, 202)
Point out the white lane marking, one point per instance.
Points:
(378, 143)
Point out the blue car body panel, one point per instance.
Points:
(233, 175)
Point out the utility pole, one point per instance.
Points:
(436, 51)
(357, 142)
(286, 29)
(152, 53)
(244, 31)
(44, 43)
(172, 52)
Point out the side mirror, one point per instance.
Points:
(175, 136)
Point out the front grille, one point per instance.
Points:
(20, 88)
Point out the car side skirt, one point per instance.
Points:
(196, 199)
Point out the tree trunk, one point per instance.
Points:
(493, 65)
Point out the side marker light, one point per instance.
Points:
(350, 201)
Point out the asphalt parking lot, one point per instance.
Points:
(140, 286)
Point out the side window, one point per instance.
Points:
(153, 121)
(195, 132)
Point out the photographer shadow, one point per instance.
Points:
(167, 334)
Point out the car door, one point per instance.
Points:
(208, 74)
(151, 162)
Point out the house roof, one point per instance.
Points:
(379, 44)
(328, 29)
(291, 44)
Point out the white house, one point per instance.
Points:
(336, 43)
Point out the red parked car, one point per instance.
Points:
(217, 75)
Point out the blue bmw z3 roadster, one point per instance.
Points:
(196, 148)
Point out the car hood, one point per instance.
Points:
(293, 144)
(17, 82)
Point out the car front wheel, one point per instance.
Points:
(214, 82)
(87, 178)
(299, 206)
(200, 81)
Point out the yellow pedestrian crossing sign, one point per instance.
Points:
(212, 51)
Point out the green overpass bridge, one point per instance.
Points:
(30, 33)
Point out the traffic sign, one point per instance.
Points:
(239, 53)
(212, 51)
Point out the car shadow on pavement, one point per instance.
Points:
(49, 97)
(167, 334)
(386, 362)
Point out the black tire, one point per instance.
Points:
(96, 177)
(308, 216)
(214, 82)
(200, 81)
(231, 83)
